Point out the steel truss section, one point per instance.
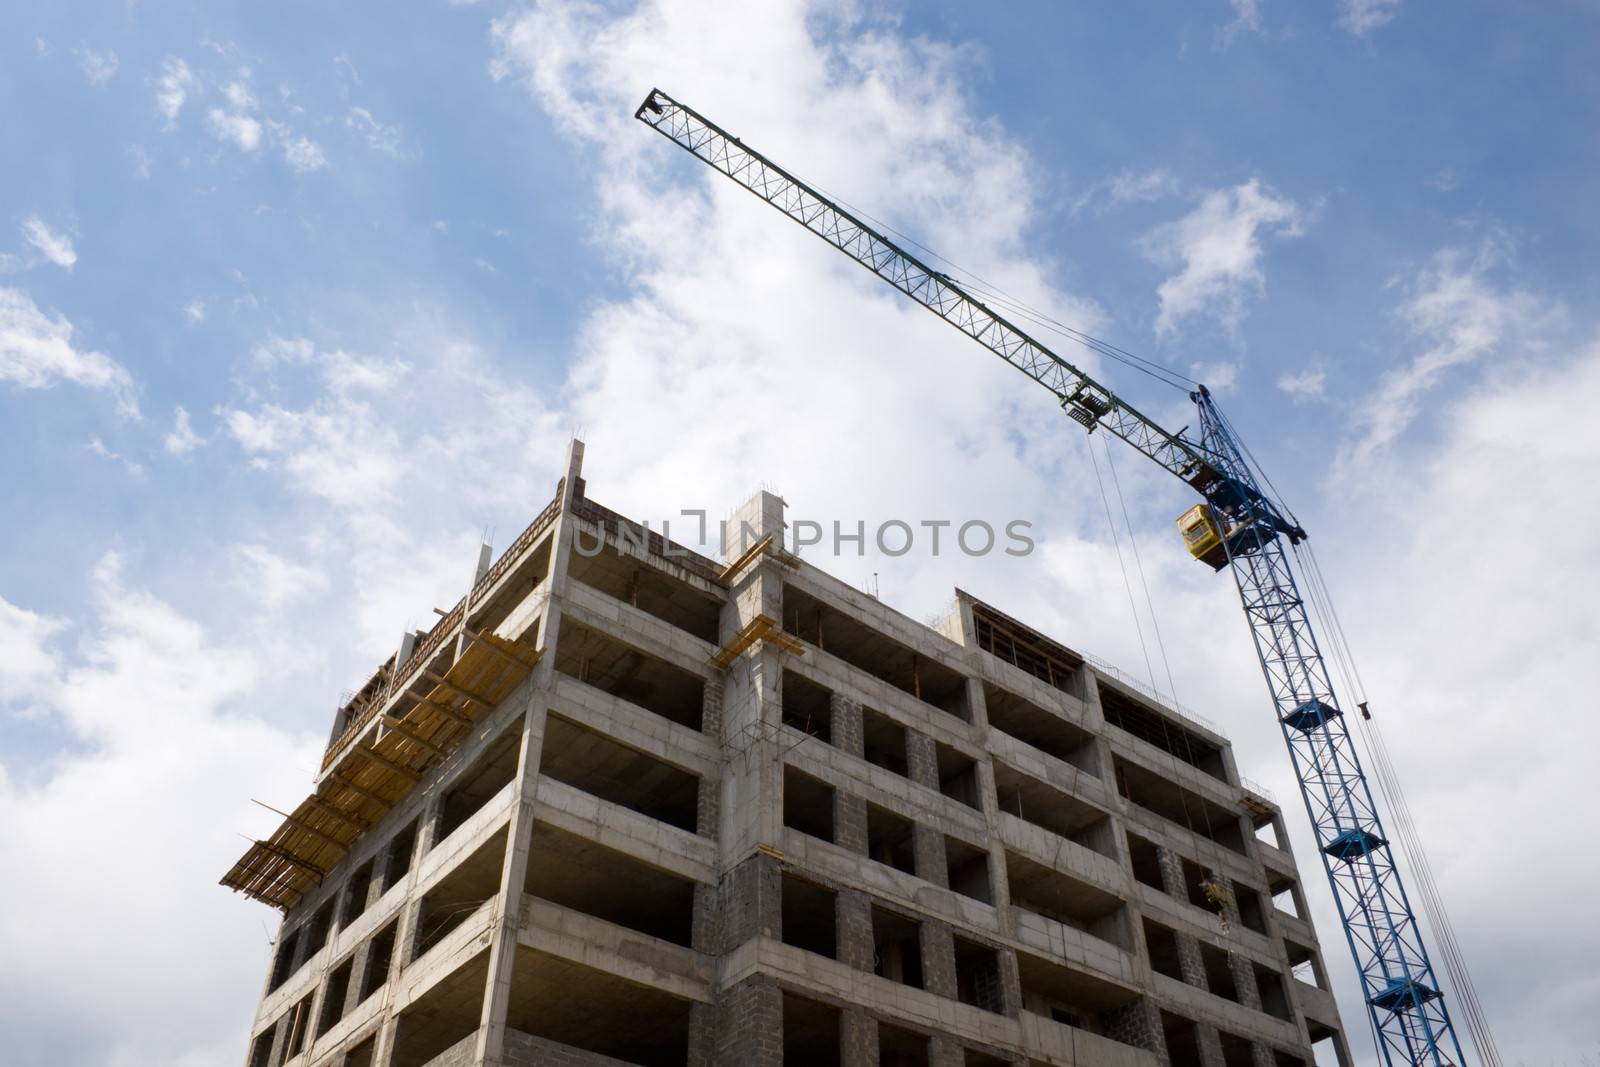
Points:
(1402, 994)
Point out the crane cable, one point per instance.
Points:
(1478, 1030)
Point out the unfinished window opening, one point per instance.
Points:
(1304, 965)
(1219, 972)
(1056, 895)
(807, 804)
(1286, 897)
(1162, 945)
(443, 1017)
(398, 860)
(1011, 642)
(491, 772)
(261, 1047)
(314, 934)
(810, 1032)
(1183, 1041)
(380, 957)
(808, 917)
(1072, 997)
(1202, 890)
(1281, 1058)
(595, 763)
(1269, 831)
(889, 839)
(1045, 730)
(1236, 1050)
(599, 1013)
(353, 901)
(473, 883)
(967, 869)
(896, 948)
(283, 960)
(623, 577)
(299, 1026)
(333, 997)
(1146, 862)
(1250, 911)
(629, 674)
(362, 1054)
(1274, 999)
(958, 776)
(876, 653)
(1151, 726)
(899, 1047)
(1327, 1047)
(883, 741)
(978, 980)
(1164, 797)
(580, 874)
(807, 706)
(1045, 806)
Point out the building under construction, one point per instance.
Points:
(627, 804)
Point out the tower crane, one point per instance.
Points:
(1238, 526)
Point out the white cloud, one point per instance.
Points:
(98, 67)
(56, 247)
(242, 130)
(1246, 19)
(1361, 17)
(98, 447)
(194, 312)
(1129, 187)
(149, 703)
(172, 89)
(1218, 249)
(1445, 181)
(380, 137)
(1459, 314)
(1304, 386)
(36, 352)
(141, 161)
(238, 94)
(182, 440)
(303, 155)
(1220, 376)
(43, 48)
(275, 581)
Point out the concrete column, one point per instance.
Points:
(858, 1039)
(853, 929)
(927, 849)
(1011, 982)
(922, 758)
(702, 1034)
(850, 822)
(750, 902)
(1138, 1024)
(1210, 1042)
(1244, 981)
(708, 798)
(1190, 964)
(513, 871)
(938, 958)
(750, 1024)
(1171, 872)
(945, 1052)
(845, 725)
(1261, 1055)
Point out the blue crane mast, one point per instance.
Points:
(1237, 526)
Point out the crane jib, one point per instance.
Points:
(1403, 997)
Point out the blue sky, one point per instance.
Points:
(297, 303)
